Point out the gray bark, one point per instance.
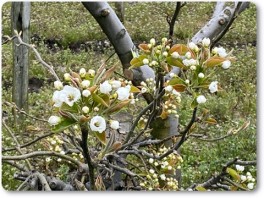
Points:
(221, 19)
(120, 39)
(20, 12)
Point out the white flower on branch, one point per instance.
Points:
(123, 93)
(58, 98)
(86, 93)
(85, 83)
(226, 64)
(58, 85)
(70, 95)
(175, 55)
(201, 75)
(105, 87)
(54, 120)
(82, 72)
(145, 61)
(201, 99)
(206, 42)
(213, 87)
(116, 84)
(85, 109)
(250, 186)
(98, 124)
(240, 168)
(114, 124)
(67, 77)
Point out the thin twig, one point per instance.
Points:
(21, 42)
(18, 146)
(42, 153)
(13, 105)
(234, 183)
(28, 143)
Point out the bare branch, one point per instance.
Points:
(42, 153)
(46, 65)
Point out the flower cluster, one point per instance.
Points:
(246, 180)
(90, 97)
(160, 174)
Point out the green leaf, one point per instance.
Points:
(175, 62)
(99, 100)
(200, 188)
(214, 61)
(101, 137)
(233, 174)
(118, 106)
(134, 89)
(64, 124)
(67, 108)
(137, 62)
(211, 121)
(175, 80)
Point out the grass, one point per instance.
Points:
(69, 24)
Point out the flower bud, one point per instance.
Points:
(58, 85)
(85, 109)
(114, 124)
(85, 83)
(54, 120)
(86, 93)
(67, 77)
(82, 72)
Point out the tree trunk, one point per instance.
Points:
(20, 19)
(20, 22)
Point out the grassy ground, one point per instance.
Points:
(68, 37)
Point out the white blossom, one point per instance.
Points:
(175, 55)
(201, 75)
(143, 90)
(151, 160)
(250, 186)
(168, 88)
(240, 168)
(114, 124)
(193, 68)
(71, 95)
(86, 93)
(54, 120)
(243, 178)
(85, 83)
(85, 109)
(82, 72)
(221, 52)
(145, 61)
(98, 124)
(226, 64)
(151, 171)
(201, 99)
(58, 98)
(188, 55)
(187, 81)
(163, 177)
(91, 72)
(58, 85)
(123, 93)
(176, 93)
(165, 54)
(213, 87)
(67, 77)
(206, 42)
(152, 41)
(164, 40)
(105, 87)
(192, 46)
(116, 84)
(172, 75)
